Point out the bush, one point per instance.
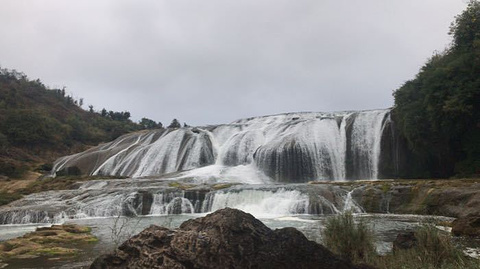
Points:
(46, 167)
(6, 198)
(12, 169)
(434, 250)
(353, 241)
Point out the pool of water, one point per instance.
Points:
(113, 231)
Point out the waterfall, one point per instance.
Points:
(351, 205)
(261, 202)
(293, 147)
(110, 198)
(177, 205)
(366, 140)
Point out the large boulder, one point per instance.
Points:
(227, 238)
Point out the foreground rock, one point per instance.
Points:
(227, 238)
(404, 241)
(58, 240)
(468, 226)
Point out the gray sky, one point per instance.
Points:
(215, 61)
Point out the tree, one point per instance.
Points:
(466, 27)
(174, 124)
(147, 123)
(90, 109)
(438, 112)
(119, 116)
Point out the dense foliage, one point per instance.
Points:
(38, 124)
(438, 112)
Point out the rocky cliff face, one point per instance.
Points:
(227, 238)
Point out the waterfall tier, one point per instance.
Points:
(127, 197)
(295, 147)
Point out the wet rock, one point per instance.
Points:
(147, 201)
(453, 198)
(227, 238)
(467, 226)
(404, 241)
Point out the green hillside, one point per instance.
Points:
(38, 125)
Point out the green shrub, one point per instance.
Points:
(6, 198)
(353, 241)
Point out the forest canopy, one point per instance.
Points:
(438, 112)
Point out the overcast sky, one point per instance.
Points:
(215, 61)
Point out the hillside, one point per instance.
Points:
(438, 112)
(38, 125)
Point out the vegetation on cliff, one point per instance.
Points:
(38, 125)
(438, 112)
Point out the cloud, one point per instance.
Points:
(215, 61)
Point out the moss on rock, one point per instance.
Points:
(58, 240)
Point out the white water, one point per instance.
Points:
(110, 198)
(351, 205)
(261, 203)
(366, 140)
(177, 205)
(295, 147)
(247, 174)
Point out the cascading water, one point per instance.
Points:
(350, 204)
(295, 147)
(177, 205)
(261, 202)
(110, 198)
(288, 148)
(366, 139)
